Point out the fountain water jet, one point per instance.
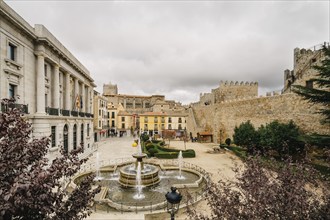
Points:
(98, 173)
(180, 161)
(139, 186)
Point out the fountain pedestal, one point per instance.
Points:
(149, 173)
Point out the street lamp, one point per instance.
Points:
(173, 202)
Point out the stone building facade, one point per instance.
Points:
(101, 117)
(54, 88)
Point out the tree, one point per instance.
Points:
(285, 191)
(246, 136)
(281, 137)
(31, 187)
(319, 95)
(169, 135)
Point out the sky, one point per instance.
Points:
(182, 48)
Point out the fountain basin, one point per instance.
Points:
(149, 176)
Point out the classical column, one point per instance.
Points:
(67, 91)
(88, 100)
(84, 98)
(40, 84)
(56, 86)
(76, 92)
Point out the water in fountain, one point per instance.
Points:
(97, 163)
(139, 150)
(139, 186)
(180, 165)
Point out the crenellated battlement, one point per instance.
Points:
(236, 83)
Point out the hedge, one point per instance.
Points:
(153, 148)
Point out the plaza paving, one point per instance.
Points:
(218, 165)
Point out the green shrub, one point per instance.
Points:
(222, 146)
(188, 153)
(167, 149)
(167, 155)
(156, 141)
(152, 151)
(228, 141)
(175, 153)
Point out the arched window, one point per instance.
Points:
(66, 138)
(75, 137)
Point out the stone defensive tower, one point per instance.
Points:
(302, 73)
(110, 89)
(235, 90)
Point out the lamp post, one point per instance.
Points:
(173, 202)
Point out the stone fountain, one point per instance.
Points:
(149, 173)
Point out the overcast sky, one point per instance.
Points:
(182, 48)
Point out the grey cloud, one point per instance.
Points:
(182, 48)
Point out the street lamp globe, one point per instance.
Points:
(173, 201)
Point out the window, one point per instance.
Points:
(180, 127)
(99, 123)
(45, 69)
(82, 134)
(309, 84)
(53, 131)
(100, 112)
(112, 114)
(169, 127)
(145, 127)
(113, 123)
(163, 127)
(75, 137)
(169, 120)
(12, 50)
(123, 125)
(122, 118)
(12, 91)
(180, 120)
(88, 130)
(156, 127)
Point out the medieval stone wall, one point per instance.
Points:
(222, 118)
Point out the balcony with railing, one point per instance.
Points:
(65, 112)
(22, 107)
(74, 113)
(52, 111)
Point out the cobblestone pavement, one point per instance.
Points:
(218, 165)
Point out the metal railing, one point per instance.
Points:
(22, 107)
(65, 112)
(74, 113)
(52, 111)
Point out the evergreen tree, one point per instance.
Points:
(319, 95)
